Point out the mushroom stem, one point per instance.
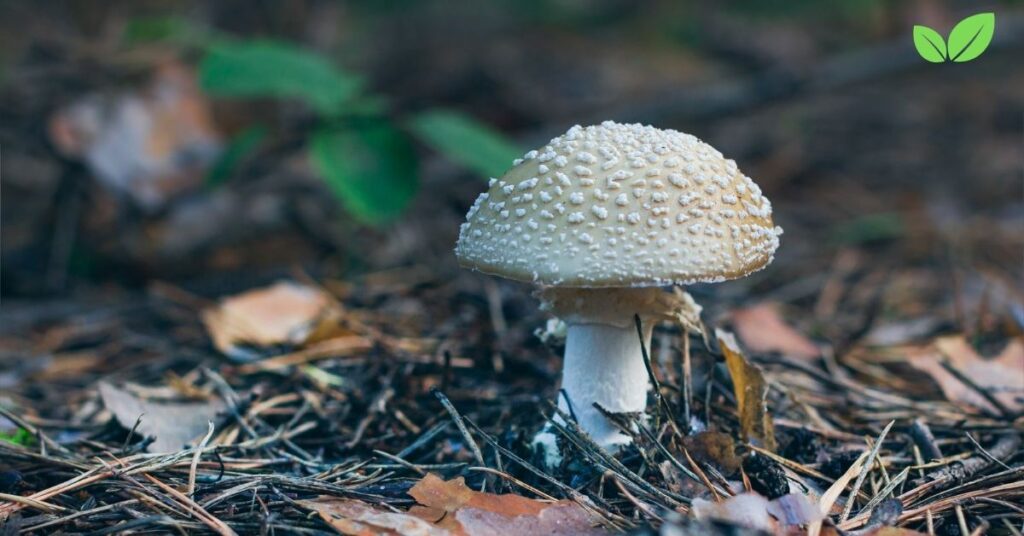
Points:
(604, 361)
(604, 365)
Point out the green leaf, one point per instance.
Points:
(465, 140)
(240, 147)
(929, 44)
(276, 69)
(20, 436)
(971, 36)
(370, 167)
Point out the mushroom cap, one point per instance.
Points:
(620, 205)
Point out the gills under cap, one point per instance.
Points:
(620, 205)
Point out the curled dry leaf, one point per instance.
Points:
(449, 508)
(1002, 375)
(794, 509)
(746, 510)
(762, 329)
(451, 495)
(356, 518)
(555, 520)
(151, 144)
(172, 424)
(465, 511)
(751, 390)
(754, 511)
(284, 313)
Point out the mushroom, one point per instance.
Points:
(602, 218)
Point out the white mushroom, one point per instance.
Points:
(637, 208)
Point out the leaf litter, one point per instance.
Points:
(450, 508)
(171, 424)
(762, 329)
(1001, 377)
(283, 314)
(153, 144)
(345, 433)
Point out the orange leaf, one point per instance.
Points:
(449, 496)
(762, 329)
(1003, 375)
(356, 518)
(283, 313)
(751, 390)
(457, 508)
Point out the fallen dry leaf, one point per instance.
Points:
(717, 448)
(1002, 375)
(451, 495)
(794, 509)
(283, 313)
(152, 143)
(762, 329)
(450, 508)
(465, 511)
(555, 520)
(356, 518)
(751, 393)
(751, 510)
(172, 424)
(746, 510)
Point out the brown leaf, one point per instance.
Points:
(151, 143)
(1003, 375)
(173, 424)
(450, 508)
(762, 329)
(453, 494)
(283, 313)
(465, 511)
(356, 518)
(717, 448)
(751, 393)
(555, 520)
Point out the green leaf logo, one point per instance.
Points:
(971, 36)
(929, 44)
(968, 40)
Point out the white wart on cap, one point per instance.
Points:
(620, 205)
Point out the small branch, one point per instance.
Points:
(450, 408)
(923, 438)
(1002, 450)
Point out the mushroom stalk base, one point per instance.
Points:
(604, 365)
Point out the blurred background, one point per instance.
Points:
(219, 145)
